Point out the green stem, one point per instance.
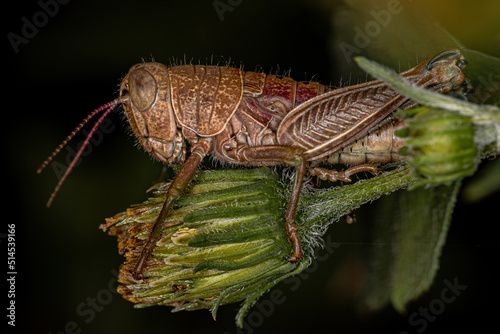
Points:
(319, 208)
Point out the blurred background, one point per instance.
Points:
(64, 60)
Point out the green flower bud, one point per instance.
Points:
(223, 243)
(441, 145)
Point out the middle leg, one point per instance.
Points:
(279, 155)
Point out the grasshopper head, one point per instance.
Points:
(145, 96)
(442, 69)
(447, 65)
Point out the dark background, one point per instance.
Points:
(74, 63)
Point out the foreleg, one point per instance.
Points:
(181, 180)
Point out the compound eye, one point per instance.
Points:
(142, 88)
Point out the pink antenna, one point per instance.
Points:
(108, 107)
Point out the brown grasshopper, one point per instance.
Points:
(254, 119)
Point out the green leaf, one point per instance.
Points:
(409, 233)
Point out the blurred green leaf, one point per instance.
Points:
(396, 33)
(484, 184)
(409, 233)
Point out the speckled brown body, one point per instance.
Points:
(253, 119)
